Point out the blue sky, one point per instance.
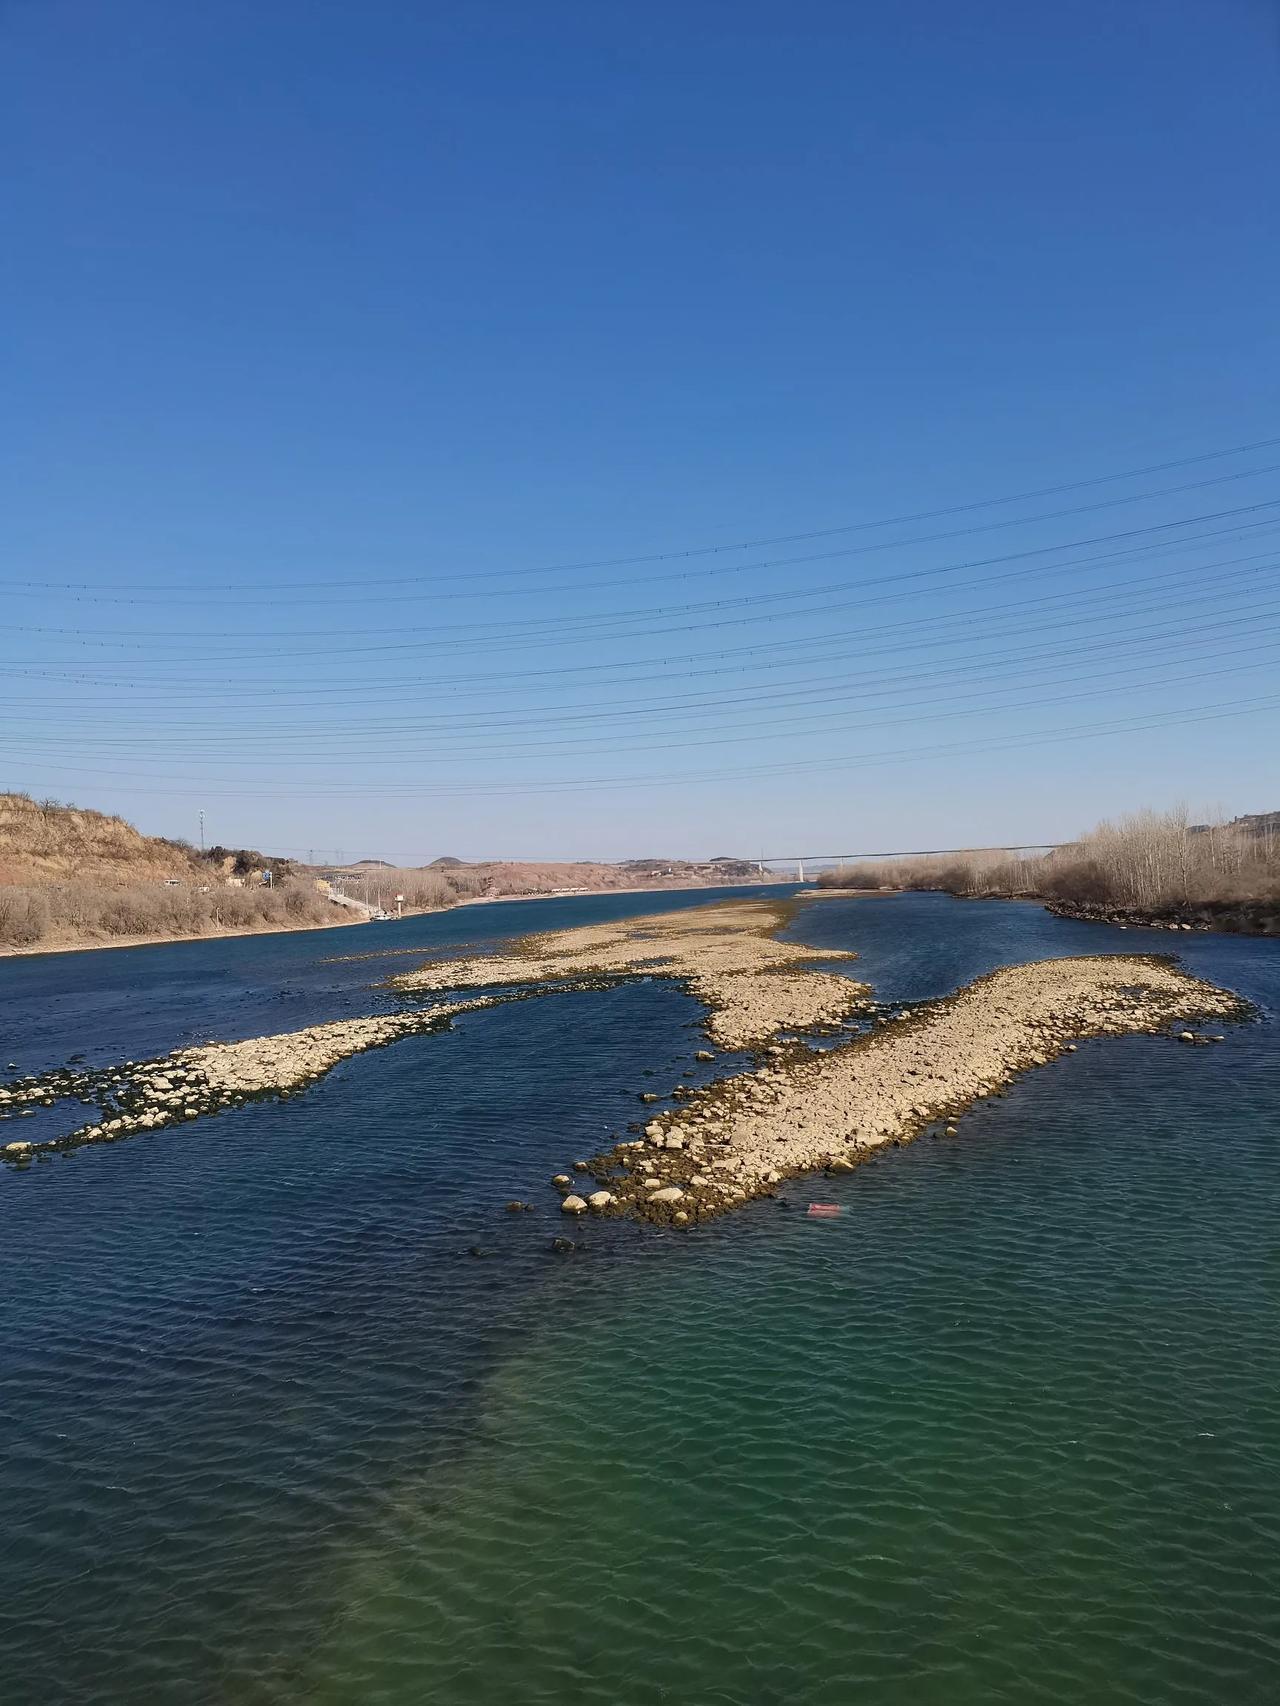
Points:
(371, 363)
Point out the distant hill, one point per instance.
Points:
(446, 862)
(70, 877)
(44, 841)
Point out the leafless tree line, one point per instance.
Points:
(449, 885)
(1148, 860)
(88, 911)
(423, 891)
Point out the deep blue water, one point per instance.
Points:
(1009, 1429)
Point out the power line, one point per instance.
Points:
(496, 681)
(792, 727)
(1159, 720)
(543, 629)
(1231, 606)
(758, 543)
(1158, 632)
(1113, 592)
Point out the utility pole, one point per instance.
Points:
(202, 831)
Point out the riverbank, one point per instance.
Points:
(73, 946)
(1231, 917)
(52, 948)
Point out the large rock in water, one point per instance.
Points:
(573, 1205)
(600, 1199)
(670, 1193)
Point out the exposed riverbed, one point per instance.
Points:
(742, 1135)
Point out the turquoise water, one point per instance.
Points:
(1008, 1429)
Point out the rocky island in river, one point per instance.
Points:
(889, 1077)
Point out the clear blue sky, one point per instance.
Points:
(343, 333)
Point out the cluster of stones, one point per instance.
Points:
(149, 1095)
(111, 1091)
(751, 984)
(680, 1169)
(802, 1112)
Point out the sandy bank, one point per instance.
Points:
(54, 947)
(726, 953)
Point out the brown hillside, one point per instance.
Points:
(44, 842)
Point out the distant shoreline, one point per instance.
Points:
(163, 941)
(1221, 917)
(581, 894)
(51, 948)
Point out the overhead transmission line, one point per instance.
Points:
(902, 713)
(750, 544)
(85, 672)
(544, 630)
(1197, 714)
(389, 736)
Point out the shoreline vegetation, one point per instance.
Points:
(72, 879)
(890, 1074)
(1152, 869)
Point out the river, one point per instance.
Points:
(1006, 1429)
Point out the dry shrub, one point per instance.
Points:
(100, 912)
(1148, 861)
(24, 917)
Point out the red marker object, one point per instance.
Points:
(824, 1210)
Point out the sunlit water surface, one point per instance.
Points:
(1008, 1429)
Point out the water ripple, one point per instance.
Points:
(1007, 1429)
